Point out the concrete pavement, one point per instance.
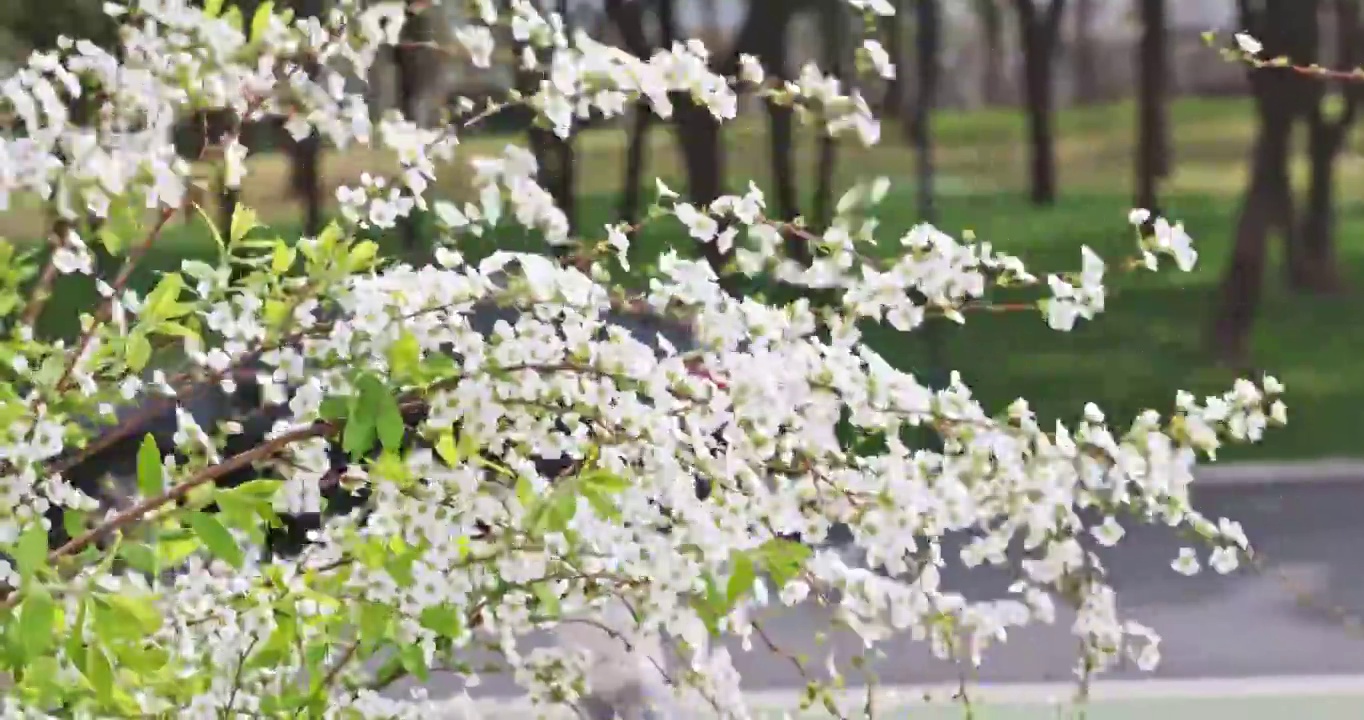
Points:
(1244, 627)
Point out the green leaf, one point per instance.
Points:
(358, 436)
(374, 622)
(445, 447)
(334, 408)
(413, 661)
(212, 8)
(244, 219)
(601, 503)
(161, 301)
(605, 481)
(783, 559)
(261, 20)
(216, 538)
(362, 256)
(443, 620)
(100, 672)
(404, 355)
(36, 620)
(137, 351)
(549, 600)
(379, 405)
(139, 612)
(30, 554)
(282, 258)
(525, 492)
(140, 557)
(741, 579)
(150, 475)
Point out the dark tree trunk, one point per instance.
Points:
(631, 194)
(1088, 88)
(1267, 206)
(628, 18)
(893, 31)
(1152, 99)
(407, 60)
(307, 153)
(1313, 267)
(781, 135)
(1287, 28)
(1039, 29)
(992, 25)
(835, 21)
(928, 28)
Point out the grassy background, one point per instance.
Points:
(1135, 356)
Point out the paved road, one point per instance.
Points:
(1242, 626)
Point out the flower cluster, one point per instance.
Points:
(465, 547)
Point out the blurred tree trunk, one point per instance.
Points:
(553, 154)
(774, 54)
(306, 153)
(928, 45)
(1287, 28)
(1088, 88)
(411, 81)
(892, 33)
(629, 21)
(1153, 145)
(1329, 119)
(834, 17)
(992, 27)
(1039, 29)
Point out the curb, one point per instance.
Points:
(1293, 472)
(1025, 700)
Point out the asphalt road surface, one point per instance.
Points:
(1245, 625)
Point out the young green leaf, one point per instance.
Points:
(217, 538)
(260, 22)
(150, 475)
(137, 351)
(30, 554)
(36, 620)
(741, 578)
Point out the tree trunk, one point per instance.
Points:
(307, 153)
(928, 29)
(892, 32)
(1152, 99)
(1088, 88)
(1039, 31)
(835, 21)
(782, 135)
(1267, 205)
(407, 60)
(1313, 267)
(992, 25)
(630, 195)
(1288, 28)
(628, 18)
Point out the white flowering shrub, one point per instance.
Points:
(165, 605)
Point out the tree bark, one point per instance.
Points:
(928, 43)
(1039, 30)
(1088, 88)
(892, 32)
(1313, 268)
(307, 153)
(628, 18)
(1152, 100)
(1288, 28)
(835, 20)
(407, 60)
(992, 25)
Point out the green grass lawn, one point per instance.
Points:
(1135, 356)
